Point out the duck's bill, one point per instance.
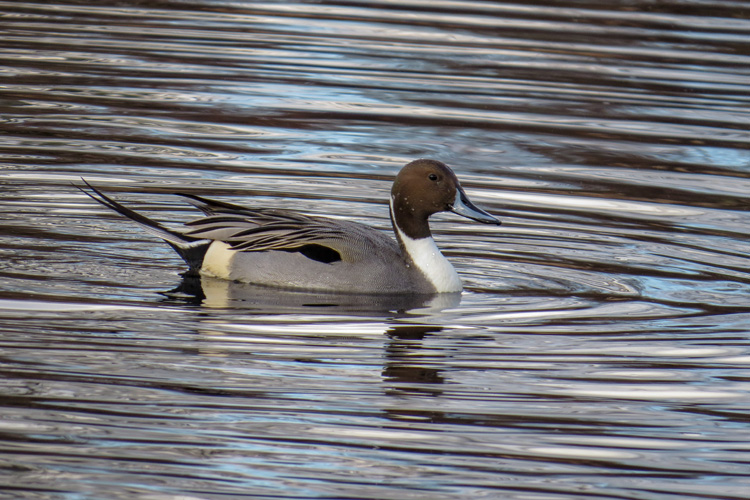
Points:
(464, 207)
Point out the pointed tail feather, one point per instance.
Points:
(192, 250)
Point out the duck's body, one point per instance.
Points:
(344, 257)
(286, 249)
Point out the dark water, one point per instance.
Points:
(601, 347)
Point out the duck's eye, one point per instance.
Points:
(433, 177)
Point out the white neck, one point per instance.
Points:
(426, 256)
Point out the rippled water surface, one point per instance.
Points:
(600, 349)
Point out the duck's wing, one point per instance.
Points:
(246, 233)
(259, 230)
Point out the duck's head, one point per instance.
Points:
(424, 187)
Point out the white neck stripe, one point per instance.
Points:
(426, 256)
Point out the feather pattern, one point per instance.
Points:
(260, 230)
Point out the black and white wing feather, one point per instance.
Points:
(260, 230)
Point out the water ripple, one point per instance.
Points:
(600, 345)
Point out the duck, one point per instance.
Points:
(286, 249)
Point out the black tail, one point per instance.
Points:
(192, 250)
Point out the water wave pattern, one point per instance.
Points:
(600, 348)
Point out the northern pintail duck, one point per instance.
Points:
(286, 249)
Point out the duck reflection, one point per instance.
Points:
(405, 371)
(218, 293)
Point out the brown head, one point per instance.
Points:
(424, 187)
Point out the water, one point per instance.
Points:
(599, 351)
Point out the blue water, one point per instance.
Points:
(600, 349)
